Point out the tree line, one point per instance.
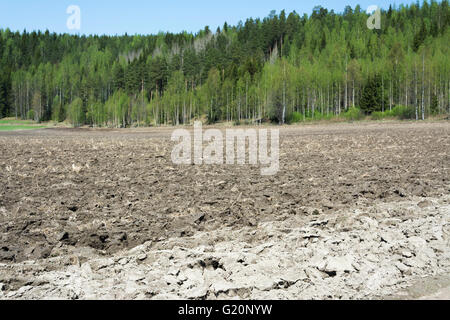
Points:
(282, 68)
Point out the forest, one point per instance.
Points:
(283, 68)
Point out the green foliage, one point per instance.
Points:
(13, 124)
(318, 116)
(58, 111)
(353, 114)
(20, 127)
(30, 114)
(4, 95)
(12, 121)
(404, 113)
(96, 114)
(295, 117)
(434, 105)
(372, 97)
(399, 112)
(75, 112)
(378, 115)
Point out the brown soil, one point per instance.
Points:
(112, 190)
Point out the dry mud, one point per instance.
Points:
(357, 211)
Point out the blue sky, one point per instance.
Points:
(149, 16)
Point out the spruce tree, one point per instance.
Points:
(372, 97)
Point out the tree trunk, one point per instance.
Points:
(423, 86)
